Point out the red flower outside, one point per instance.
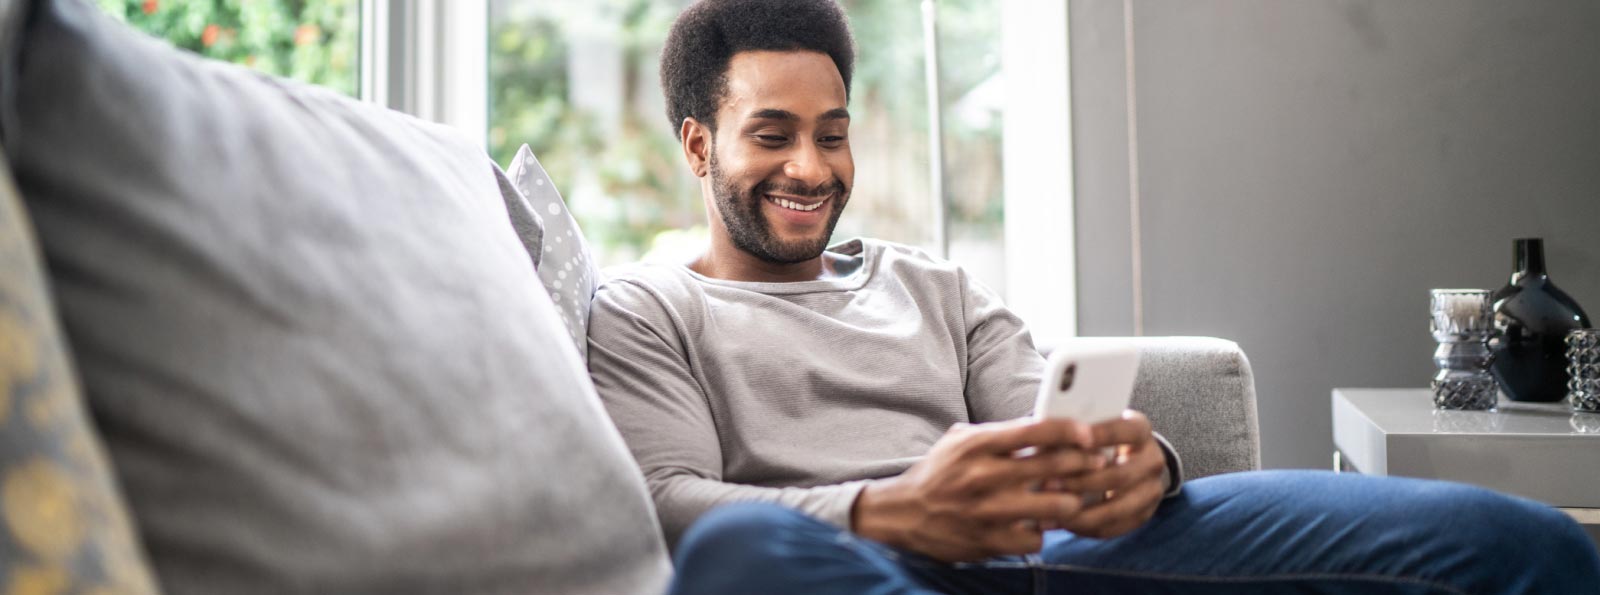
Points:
(150, 6)
(307, 34)
(209, 35)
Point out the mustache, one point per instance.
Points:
(824, 190)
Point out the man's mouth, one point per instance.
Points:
(795, 205)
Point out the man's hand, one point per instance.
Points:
(1132, 483)
(974, 495)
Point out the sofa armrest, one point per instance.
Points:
(1199, 393)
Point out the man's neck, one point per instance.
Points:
(725, 261)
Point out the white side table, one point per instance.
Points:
(1535, 450)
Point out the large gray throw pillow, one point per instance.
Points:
(317, 351)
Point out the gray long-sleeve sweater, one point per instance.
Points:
(800, 393)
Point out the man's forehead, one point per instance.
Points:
(804, 84)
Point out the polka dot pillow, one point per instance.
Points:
(566, 269)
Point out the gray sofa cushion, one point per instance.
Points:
(316, 349)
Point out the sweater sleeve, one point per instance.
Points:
(642, 370)
(1003, 366)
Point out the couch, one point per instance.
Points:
(256, 337)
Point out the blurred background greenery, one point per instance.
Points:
(316, 41)
(577, 81)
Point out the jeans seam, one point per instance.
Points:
(1041, 583)
(1263, 578)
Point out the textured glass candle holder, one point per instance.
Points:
(1462, 323)
(1585, 423)
(1447, 421)
(1583, 370)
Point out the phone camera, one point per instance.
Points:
(1067, 376)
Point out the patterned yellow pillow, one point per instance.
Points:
(63, 525)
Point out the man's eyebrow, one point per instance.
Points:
(774, 114)
(837, 113)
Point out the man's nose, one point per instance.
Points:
(807, 166)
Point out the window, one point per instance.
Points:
(890, 134)
(316, 41)
(577, 81)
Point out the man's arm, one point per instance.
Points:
(968, 499)
(638, 361)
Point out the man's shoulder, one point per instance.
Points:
(894, 250)
(643, 287)
(644, 273)
(910, 264)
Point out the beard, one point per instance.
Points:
(750, 230)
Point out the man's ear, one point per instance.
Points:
(696, 146)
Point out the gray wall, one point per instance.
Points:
(1309, 169)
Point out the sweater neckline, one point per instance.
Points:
(856, 248)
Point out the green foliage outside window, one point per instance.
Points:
(316, 41)
(621, 172)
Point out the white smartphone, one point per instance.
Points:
(1087, 382)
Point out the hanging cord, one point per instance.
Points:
(1135, 229)
(930, 60)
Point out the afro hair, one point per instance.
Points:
(694, 61)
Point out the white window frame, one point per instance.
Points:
(428, 58)
(1040, 233)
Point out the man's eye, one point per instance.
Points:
(831, 140)
(772, 139)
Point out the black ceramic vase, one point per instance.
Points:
(1534, 317)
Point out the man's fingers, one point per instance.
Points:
(1018, 505)
(986, 475)
(1045, 465)
(1133, 429)
(1020, 537)
(1008, 437)
(1141, 466)
(956, 543)
(1125, 511)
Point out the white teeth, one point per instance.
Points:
(792, 205)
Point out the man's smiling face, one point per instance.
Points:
(780, 166)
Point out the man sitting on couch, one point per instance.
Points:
(873, 392)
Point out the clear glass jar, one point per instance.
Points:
(1583, 370)
(1463, 322)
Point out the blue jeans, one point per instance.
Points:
(1260, 532)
